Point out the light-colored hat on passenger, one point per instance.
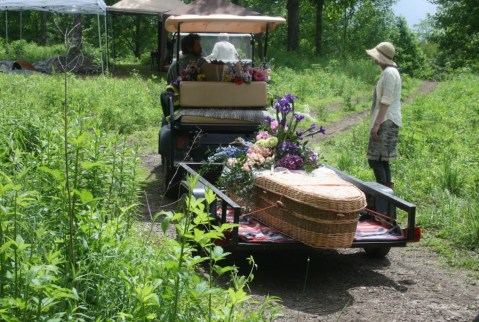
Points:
(383, 53)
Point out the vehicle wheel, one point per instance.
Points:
(377, 251)
(171, 182)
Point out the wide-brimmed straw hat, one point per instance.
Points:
(383, 53)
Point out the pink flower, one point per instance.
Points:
(262, 135)
(258, 75)
(246, 167)
(257, 150)
(274, 125)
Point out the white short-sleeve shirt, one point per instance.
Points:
(224, 50)
(388, 92)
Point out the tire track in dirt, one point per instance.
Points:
(350, 120)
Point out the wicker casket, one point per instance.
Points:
(318, 209)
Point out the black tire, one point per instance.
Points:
(171, 180)
(377, 251)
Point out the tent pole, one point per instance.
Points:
(99, 40)
(106, 43)
(6, 35)
(113, 42)
(21, 24)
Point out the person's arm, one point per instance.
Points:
(379, 119)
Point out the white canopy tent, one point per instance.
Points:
(97, 7)
(61, 6)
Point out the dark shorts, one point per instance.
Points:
(385, 147)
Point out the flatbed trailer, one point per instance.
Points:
(381, 210)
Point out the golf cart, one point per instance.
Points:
(200, 116)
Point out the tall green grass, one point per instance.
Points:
(438, 161)
(33, 53)
(69, 185)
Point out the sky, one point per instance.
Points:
(413, 10)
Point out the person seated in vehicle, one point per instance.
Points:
(223, 50)
(191, 55)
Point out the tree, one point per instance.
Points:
(457, 31)
(409, 55)
(293, 25)
(318, 39)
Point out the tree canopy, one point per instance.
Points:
(328, 28)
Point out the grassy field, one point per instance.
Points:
(69, 168)
(437, 167)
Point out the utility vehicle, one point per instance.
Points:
(203, 115)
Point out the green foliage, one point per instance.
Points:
(103, 101)
(457, 32)
(33, 53)
(114, 274)
(409, 56)
(437, 166)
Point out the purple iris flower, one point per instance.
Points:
(312, 127)
(286, 110)
(322, 130)
(298, 117)
(267, 119)
(290, 98)
(289, 147)
(283, 122)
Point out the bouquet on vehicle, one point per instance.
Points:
(279, 143)
(239, 73)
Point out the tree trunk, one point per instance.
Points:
(293, 25)
(137, 40)
(319, 26)
(43, 29)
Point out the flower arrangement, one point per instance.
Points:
(191, 73)
(238, 73)
(278, 143)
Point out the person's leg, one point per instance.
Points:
(388, 175)
(387, 170)
(379, 171)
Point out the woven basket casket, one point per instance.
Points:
(318, 209)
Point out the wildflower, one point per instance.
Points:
(289, 147)
(286, 110)
(298, 117)
(290, 98)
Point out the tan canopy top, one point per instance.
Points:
(222, 23)
(212, 7)
(153, 7)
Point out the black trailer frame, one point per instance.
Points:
(372, 193)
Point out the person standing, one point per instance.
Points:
(386, 116)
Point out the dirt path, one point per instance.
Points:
(410, 284)
(350, 120)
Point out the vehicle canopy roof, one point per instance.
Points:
(222, 23)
